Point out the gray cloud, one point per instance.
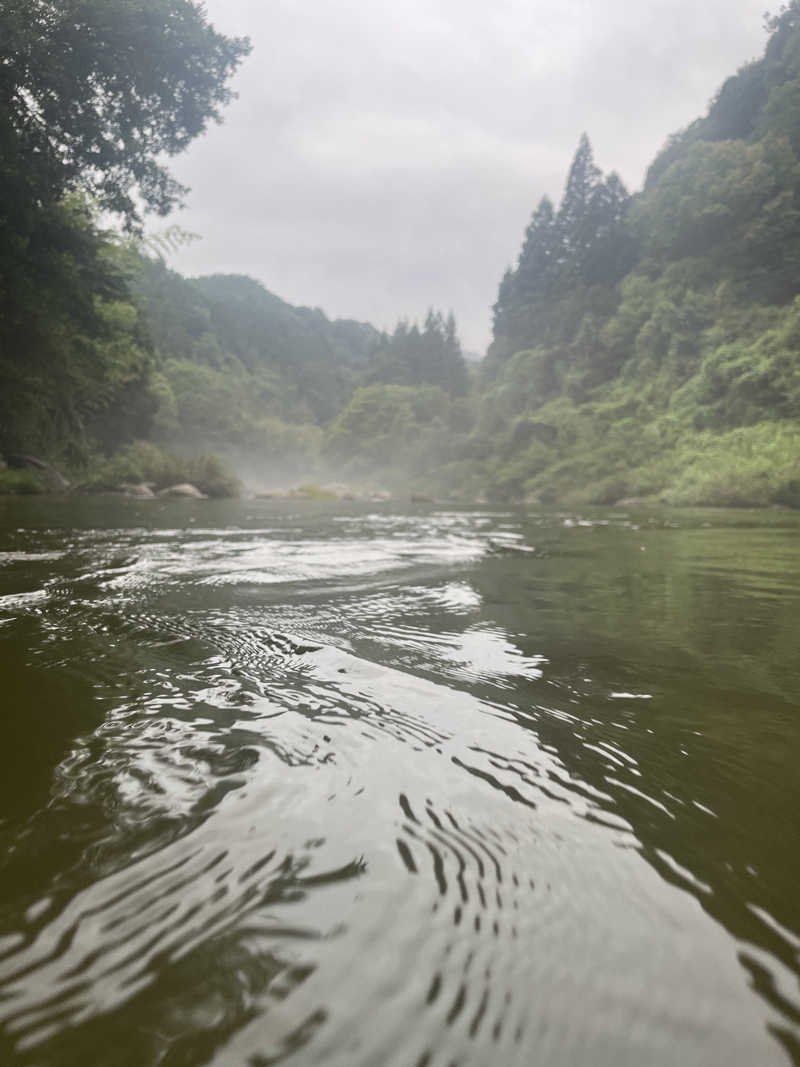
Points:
(385, 156)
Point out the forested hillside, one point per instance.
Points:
(93, 98)
(644, 345)
(139, 359)
(273, 388)
(241, 373)
(650, 345)
(114, 368)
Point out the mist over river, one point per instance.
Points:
(359, 784)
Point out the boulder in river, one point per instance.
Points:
(184, 489)
(629, 502)
(138, 489)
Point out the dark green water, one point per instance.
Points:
(356, 787)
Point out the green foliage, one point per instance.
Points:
(739, 382)
(23, 483)
(642, 346)
(430, 356)
(678, 376)
(582, 249)
(234, 353)
(74, 357)
(144, 462)
(397, 429)
(243, 372)
(315, 492)
(287, 445)
(93, 95)
(735, 203)
(753, 466)
(97, 92)
(694, 368)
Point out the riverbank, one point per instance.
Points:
(751, 467)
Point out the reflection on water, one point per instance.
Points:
(422, 789)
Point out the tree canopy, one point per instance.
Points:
(643, 345)
(93, 95)
(650, 344)
(95, 92)
(583, 243)
(428, 356)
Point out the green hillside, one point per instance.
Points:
(644, 345)
(125, 359)
(650, 345)
(275, 388)
(242, 373)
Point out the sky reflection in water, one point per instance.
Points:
(372, 787)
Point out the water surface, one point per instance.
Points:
(363, 785)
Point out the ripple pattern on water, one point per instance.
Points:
(333, 808)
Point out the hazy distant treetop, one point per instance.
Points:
(98, 91)
(416, 357)
(582, 181)
(763, 95)
(583, 243)
(786, 17)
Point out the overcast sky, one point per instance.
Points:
(385, 155)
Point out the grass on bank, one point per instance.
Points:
(750, 466)
(21, 483)
(139, 463)
(146, 463)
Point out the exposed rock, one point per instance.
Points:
(185, 489)
(629, 502)
(139, 489)
(25, 462)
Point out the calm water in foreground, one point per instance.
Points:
(370, 786)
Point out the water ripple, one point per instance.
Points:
(330, 807)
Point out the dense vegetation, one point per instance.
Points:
(93, 95)
(644, 345)
(273, 387)
(650, 345)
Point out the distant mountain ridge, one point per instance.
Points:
(230, 322)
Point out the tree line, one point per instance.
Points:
(643, 344)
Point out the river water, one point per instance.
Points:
(361, 785)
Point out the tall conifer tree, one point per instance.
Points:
(574, 220)
(540, 249)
